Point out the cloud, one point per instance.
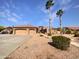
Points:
(66, 8)
(64, 2)
(2, 14)
(7, 5)
(77, 6)
(66, 5)
(44, 10)
(12, 19)
(15, 15)
(7, 15)
(54, 15)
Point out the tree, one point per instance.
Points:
(49, 3)
(1, 28)
(59, 14)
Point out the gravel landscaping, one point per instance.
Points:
(38, 48)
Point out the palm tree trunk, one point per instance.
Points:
(50, 22)
(60, 25)
(50, 26)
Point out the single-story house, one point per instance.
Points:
(25, 30)
(42, 29)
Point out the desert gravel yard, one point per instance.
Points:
(76, 39)
(8, 43)
(38, 48)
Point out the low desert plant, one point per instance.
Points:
(1, 28)
(68, 32)
(61, 42)
(49, 34)
(41, 35)
(76, 35)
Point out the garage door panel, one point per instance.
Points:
(32, 32)
(21, 32)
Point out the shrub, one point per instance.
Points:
(1, 28)
(11, 32)
(41, 35)
(49, 34)
(61, 42)
(68, 32)
(76, 35)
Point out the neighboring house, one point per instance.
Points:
(42, 29)
(55, 31)
(7, 30)
(25, 30)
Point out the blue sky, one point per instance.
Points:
(33, 12)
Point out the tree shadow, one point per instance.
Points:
(51, 43)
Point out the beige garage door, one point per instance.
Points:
(21, 32)
(32, 32)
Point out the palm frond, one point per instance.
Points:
(60, 12)
(49, 3)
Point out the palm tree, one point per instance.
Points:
(49, 3)
(59, 14)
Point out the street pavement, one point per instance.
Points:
(9, 43)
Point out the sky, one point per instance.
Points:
(33, 12)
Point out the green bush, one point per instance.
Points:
(68, 32)
(49, 34)
(1, 28)
(76, 35)
(61, 42)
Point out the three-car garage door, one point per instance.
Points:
(20, 32)
(25, 32)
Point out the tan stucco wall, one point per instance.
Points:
(25, 32)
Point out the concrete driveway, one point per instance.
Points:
(9, 43)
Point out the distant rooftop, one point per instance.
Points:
(24, 26)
